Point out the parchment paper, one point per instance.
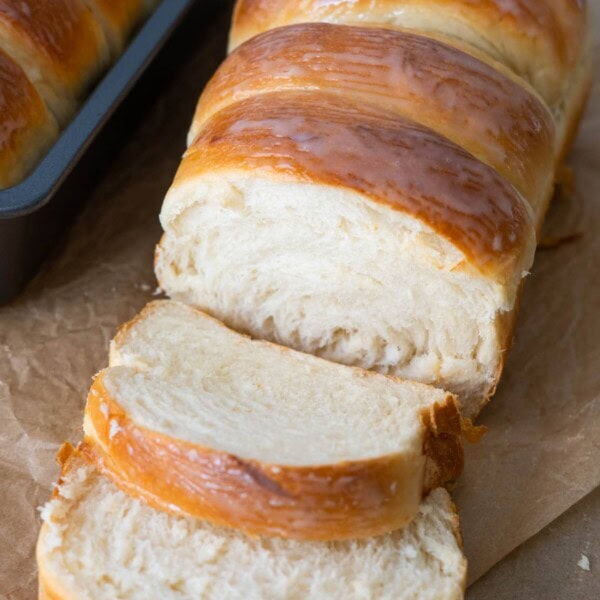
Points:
(540, 456)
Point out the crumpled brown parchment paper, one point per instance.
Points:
(540, 456)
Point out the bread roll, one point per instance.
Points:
(97, 542)
(197, 419)
(60, 46)
(27, 129)
(119, 17)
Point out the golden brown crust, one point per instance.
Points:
(546, 36)
(322, 139)
(121, 14)
(460, 97)
(118, 18)
(63, 32)
(457, 531)
(60, 41)
(27, 129)
(45, 590)
(442, 444)
(573, 113)
(48, 588)
(328, 502)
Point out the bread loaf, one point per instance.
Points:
(372, 195)
(197, 419)
(364, 182)
(98, 543)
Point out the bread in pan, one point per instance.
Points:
(541, 40)
(98, 543)
(119, 17)
(346, 231)
(27, 130)
(60, 46)
(197, 419)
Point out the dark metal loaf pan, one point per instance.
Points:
(35, 212)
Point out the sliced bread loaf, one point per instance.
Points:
(342, 229)
(97, 543)
(195, 418)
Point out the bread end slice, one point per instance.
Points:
(98, 543)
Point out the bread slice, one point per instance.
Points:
(97, 543)
(197, 419)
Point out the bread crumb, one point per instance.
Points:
(584, 563)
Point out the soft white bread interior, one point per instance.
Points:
(200, 419)
(348, 232)
(97, 543)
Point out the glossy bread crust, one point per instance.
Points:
(119, 13)
(119, 17)
(28, 129)
(479, 106)
(321, 139)
(59, 44)
(541, 39)
(322, 502)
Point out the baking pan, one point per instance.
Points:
(35, 212)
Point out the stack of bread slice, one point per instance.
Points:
(277, 473)
(363, 185)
